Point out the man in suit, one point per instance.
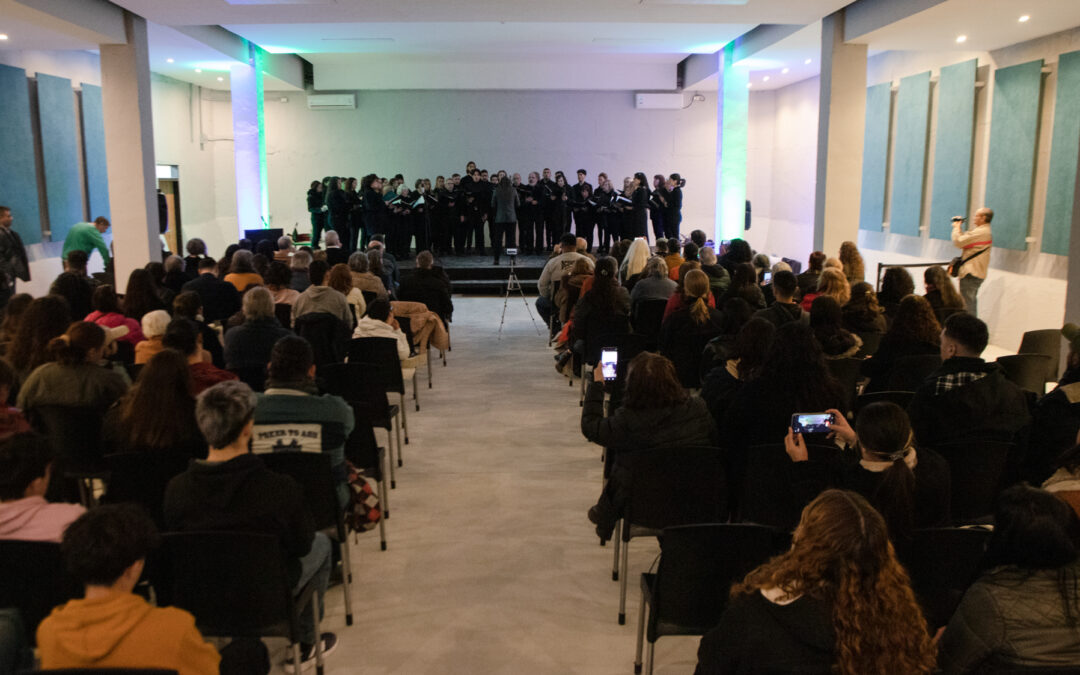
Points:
(220, 299)
(13, 263)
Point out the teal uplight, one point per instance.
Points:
(733, 113)
(273, 49)
(249, 143)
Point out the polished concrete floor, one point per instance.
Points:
(492, 565)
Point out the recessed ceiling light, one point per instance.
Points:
(1024, 19)
(749, 84)
(807, 62)
(765, 79)
(221, 79)
(198, 70)
(960, 39)
(3, 36)
(785, 71)
(170, 61)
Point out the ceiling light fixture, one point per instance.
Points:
(221, 79)
(807, 62)
(765, 79)
(3, 36)
(785, 71)
(1024, 19)
(198, 70)
(170, 61)
(961, 39)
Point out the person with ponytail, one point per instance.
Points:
(684, 334)
(909, 487)
(606, 303)
(837, 602)
(73, 376)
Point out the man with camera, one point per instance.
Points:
(974, 261)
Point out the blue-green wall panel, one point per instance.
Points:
(909, 158)
(1061, 183)
(18, 172)
(60, 153)
(93, 128)
(875, 156)
(1014, 126)
(953, 146)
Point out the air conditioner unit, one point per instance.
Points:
(644, 101)
(331, 102)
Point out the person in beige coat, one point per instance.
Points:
(974, 243)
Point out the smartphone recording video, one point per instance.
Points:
(812, 423)
(609, 362)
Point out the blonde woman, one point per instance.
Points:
(634, 261)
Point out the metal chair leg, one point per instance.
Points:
(624, 563)
(397, 429)
(617, 537)
(385, 498)
(640, 634)
(649, 657)
(296, 657)
(383, 516)
(390, 453)
(404, 422)
(315, 602)
(346, 560)
(415, 390)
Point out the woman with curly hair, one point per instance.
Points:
(851, 259)
(940, 292)
(838, 601)
(914, 332)
(862, 313)
(896, 284)
(44, 319)
(832, 283)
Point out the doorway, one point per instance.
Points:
(168, 183)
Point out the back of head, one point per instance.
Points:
(173, 264)
(223, 410)
(708, 256)
(699, 238)
(300, 260)
(43, 320)
(379, 309)
(278, 275)
(736, 313)
(105, 541)
(568, 243)
(652, 382)
(896, 283)
(885, 435)
(104, 300)
(690, 251)
(739, 251)
(159, 408)
(374, 260)
(797, 364)
(969, 332)
(825, 313)
(182, 335)
(284, 243)
(340, 278)
(333, 238)
(155, 323)
(317, 272)
(1033, 530)
(187, 305)
(196, 247)
(266, 248)
(73, 347)
(258, 304)
(424, 260)
(696, 291)
(656, 267)
(752, 344)
(241, 262)
(784, 285)
(915, 321)
(77, 260)
(23, 459)
(816, 262)
(207, 266)
(745, 275)
(833, 283)
(358, 262)
(291, 359)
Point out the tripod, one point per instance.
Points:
(513, 284)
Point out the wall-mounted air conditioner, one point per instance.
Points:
(643, 101)
(331, 102)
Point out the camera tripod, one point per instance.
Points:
(514, 284)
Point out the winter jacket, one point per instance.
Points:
(780, 313)
(34, 519)
(250, 343)
(684, 424)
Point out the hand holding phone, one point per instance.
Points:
(812, 423)
(609, 361)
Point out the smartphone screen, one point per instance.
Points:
(812, 423)
(766, 278)
(609, 360)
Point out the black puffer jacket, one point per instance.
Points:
(685, 424)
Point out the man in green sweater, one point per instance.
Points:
(86, 237)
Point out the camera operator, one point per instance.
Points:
(975, 245)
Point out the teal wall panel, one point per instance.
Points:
(18, 172)
(875, 156)
(1061, 183)
(60, 153)
(953, 147)
(1014, 127)
(909, 157)
(93, 135)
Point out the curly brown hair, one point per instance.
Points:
(915, 321)
(852, 261)
(652, 382)
(841, 555)
(834, 284)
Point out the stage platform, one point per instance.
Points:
(476, 275)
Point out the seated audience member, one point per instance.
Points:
(1056, 417)
(74, 288)
(699, 238)
(862, 313)
(735, 315)
(335, 254)
(684, 334)
(678, 299)
(852, 261)
(321, 298)
(196, 251)
(175, 276)
(76, 263)
(672, 257)
(25, 469)
(726, 378)
(278, 277)
(158, 413)
(225, 263)
(428, 286)
(826, 320)
(837, 601)
(389, 262)
(967, 398)
(232, 490)
(554, 270)
(940, 292)
(183, 336)
(44, 319)
(654, 283)
(909, 487)
(141, 295)
(12, 420)
(377, 267)
(831, 283)
(632, 267)
(242, 272)
(154, 325)
(299, 264)
(340, 279)
(656, 412)
(914, 331)
(738, 252)
(808, 280)
(13, 314)
(896, 284)
(834, 263)
(605, 305)
(378, 322)
(285, 249)
(187, 306)
(583, 248)
(250, 343)
(744, 284)
(767, 288)
(784, 309)
(1064, 482)
(363, 279)
(1022, 612)
(690, 251)
(571, 287)
(761, 264)
(719, 281)
(107, 315)
(73, 376)
(111, 627)
(292, 399)
(219, 299)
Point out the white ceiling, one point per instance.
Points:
(189, 54)
(27, 28)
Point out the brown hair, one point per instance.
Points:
(852, 261)
(340, 278)
(72, 347)
(941, 281)
(834, 284)
(817, 261)
(651, 382)
(915, 321)
(43, 320)
(159, 409)
(696, 291)
(841, 555)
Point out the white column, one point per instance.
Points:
(249, 145)
(129, 150)
(732, 124)
(1072, 293)
(841, 122)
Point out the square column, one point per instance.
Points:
(129, 150)
(249, 143)
(841, 122)
(732, 121)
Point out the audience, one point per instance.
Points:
(429, 286)
(380, 271)
(570, 289)
(299, 264)
(1064, 482)
(896, 284)
(808, 280)
(242, 272)
(719, 281)
(249, 344)
(914, 332)
(554, 270)
(340, 279)
(726, 378)
(44, 319)
(12, 420)
(335, 253)
(838, 601)
(852, 262)
(319, 298)
(107, 315)
(744, 285)
(653, 284)
(141, 295)
(187, 305)
(105, 551)
(278, 277)
(73, 376)
(75, 288)
(13, 313)
(154, 325)
(672, 257)
(784, 309)
(738, 251)
(940, 292)
(603, 308)
(363, 279)
(175, 276)
(379, 322)
(196, 251)
(683, 335)
(826, 320)
(862, 313)
(25, 470)
(831, 283)
(1056, 416)
(183, 336)
(633, 263)
(219, 299)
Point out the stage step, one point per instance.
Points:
(498, 286)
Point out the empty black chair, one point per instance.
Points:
(75, 436)
(327, 334)
(236, 586)
(33, 580)
(846, 371)
(648, 315)
(380, 356)
(911, 371)
(312, 471)
(900, 398)
(252, 376)
(1027, 371)
(1048, 342)
(942, 563)
(283, 312)
(870, 343)
(666, 487)
(369, 297)
(699, 564)
(767, 494)
(104, 671)
(141, 478)
(979, 473)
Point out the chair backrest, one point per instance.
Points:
(698, 566)
(978, 469)
(910, 371)
(369, 297)
(74, 434)
(675, 486)
(1046, 341)
(766, 495)
(141, 478)
(648, 316)
(900, 398)
(870, 343)
(33, 580)
(1027, 371)
(313, 473)
(846, 371)
(350, 382)
(327, 334)
(283, 312)
(234, 583)
(381, 356)
(252, 376)
(942, 563)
